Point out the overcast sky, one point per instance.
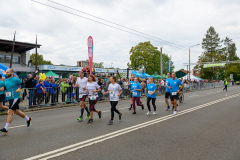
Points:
(64, 36)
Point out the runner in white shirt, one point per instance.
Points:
(82, 84)
(115, 91)
(92, 89)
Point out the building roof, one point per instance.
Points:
(19, 47)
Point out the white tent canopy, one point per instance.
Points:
(192, 77)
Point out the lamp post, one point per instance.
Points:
(189, 59)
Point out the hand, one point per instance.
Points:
(119, 95)
(36, 71)
(94, 91)
(2, 89)
(18, 90)
(169, 87)
(14, 75)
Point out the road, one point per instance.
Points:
(206, 127)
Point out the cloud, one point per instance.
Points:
(64, 36)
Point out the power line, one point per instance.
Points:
(166, 43)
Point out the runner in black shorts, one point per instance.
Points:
(2, 95)
(167, 93)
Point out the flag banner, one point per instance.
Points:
(90, 53)
(214, 65)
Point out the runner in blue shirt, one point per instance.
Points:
(136, 89)
(11, 85)
(173, 85)
(167, 93)
(151, 87)
(130, 86)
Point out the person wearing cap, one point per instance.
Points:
(2, 95)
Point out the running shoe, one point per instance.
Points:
(110, 122)
(155, 112)
(168, 108)
(88, 115)
(29, 122)
(3, 131)
(142, 107)
(175, 112)
(120, 116)
(130, 108)
(134, 113)
(80, 119)
(148, 113)
(100, 114)
(90, 121)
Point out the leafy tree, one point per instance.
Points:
(40, 60)
(145, 54)
(233, 69)
(230, 49)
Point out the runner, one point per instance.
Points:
(130, 89)
(82, 83)
(225, 85)
(2, 95)
(135, 89)
(115, 91)
(167, 93)
(173, 85)
(92, 89)
(151, 96)
(11, 85)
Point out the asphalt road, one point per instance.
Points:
(206, 127)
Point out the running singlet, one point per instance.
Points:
(1, 85)
(81, 84)
(90, 87)
(151, 88)
(114, 90)
(136, 86)
(167, 80)
(12, 84)
(175, 86)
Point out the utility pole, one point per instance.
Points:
(189, 60)
(161, 63)
(36, 55)
(12, 50)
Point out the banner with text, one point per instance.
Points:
(214, 65)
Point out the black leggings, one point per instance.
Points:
(113, 108)
(153, 103)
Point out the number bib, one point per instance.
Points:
(174, 93)
(112, 93)
(150, 92)
(8, 94)
(80, 95)
(93, 97)
(134, 93)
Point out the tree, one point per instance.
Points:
(40, 60)
(145, 54)
(230, 49)
(97, 65)
(233, 69)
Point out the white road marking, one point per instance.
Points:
(74, 147)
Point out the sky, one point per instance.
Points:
(63, 36)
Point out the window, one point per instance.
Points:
(7, 59)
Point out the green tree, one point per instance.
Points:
(233, 69)
(40, 60)
(230, 49)
(145, 54)
(97, 65)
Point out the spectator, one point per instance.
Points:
(106, 79)
(93, 71)
(65, 85)
(53, 91)
(70, 79)
(162, 86)
(125, 84)
(47, 94)
(143, 87)
(100, 82)
(40, 90)
(35, 82)
(29, 84)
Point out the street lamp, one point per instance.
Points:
(189, 59)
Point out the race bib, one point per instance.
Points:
(174, 93)
(80, 95)
(8, 94)
(112, 93)
(135, 93)
(150, 92)
(93, 97)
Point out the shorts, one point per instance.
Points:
(2, 97)
(84, 97)
(167, 95)
(73, 95)
(174, 97)
(14, 104)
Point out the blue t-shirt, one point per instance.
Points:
(167, 89)
(47, 85)
(136, 86)
(12, 84)
(39, 90)
(174, 84)
(151, 88)
(1, 85)
(131, 83)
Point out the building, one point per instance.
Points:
(82, 63)
(21, 55)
